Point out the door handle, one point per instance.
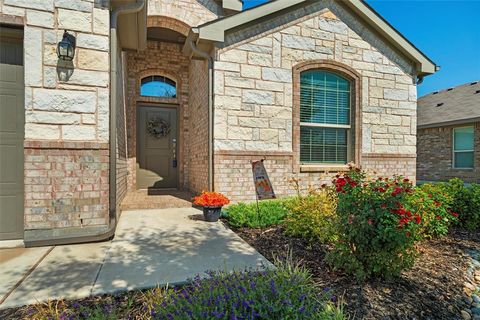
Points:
(174, 152)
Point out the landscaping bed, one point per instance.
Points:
(432, 289)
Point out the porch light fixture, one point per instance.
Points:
(66, 47)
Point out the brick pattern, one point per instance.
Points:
(66, 184)
(121, 152)
(435, 155)
(168, 23)
(191, 12)
(198, 127)
(165, 59)
(233, 172)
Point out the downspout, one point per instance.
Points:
(110, 231)
(205, 55)
(125, 9)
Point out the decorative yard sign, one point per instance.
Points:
(263, 186)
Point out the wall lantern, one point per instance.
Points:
(66, 47)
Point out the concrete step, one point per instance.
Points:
(156, 199)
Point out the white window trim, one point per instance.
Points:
(454, 165)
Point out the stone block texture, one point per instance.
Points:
(254, 96)
(66, 118)
(190, 12)
(435, 155)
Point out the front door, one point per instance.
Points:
(157, 165)
(12, 117)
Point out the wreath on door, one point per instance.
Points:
(158, 128)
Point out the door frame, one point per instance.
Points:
(180, 144)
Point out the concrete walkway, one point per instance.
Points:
(151, 247)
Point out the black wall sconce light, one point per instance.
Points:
(66, 47)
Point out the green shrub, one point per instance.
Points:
(432, 203)
(466, 202)
(376, 232)
(313, 217)
(272, 212)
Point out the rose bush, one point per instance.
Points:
(376, 231)
(432, 203)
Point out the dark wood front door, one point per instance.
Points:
(157, 151)
(12, 118)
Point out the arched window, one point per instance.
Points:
(158, 86)
(325, 118)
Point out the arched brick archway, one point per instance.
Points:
(162, 59)
(168, 23)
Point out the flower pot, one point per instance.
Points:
(212, 214)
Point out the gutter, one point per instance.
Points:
(125, 9)
(205, 55)
(101, 234)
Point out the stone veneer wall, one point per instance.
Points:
(191, 12)
(67, 120)
(254, 103)
(198, 127)
(165, 59)
(435, 155)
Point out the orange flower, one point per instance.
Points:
(211, 199)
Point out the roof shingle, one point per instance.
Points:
(456, 105)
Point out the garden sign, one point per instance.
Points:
(263, 186)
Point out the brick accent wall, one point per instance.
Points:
(165, 59)
(66, 184)
(198, 127)
(121, 152)
(435, 155)
(255, 96)
(233, 171)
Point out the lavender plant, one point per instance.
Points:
(286, 292)
(274, 294)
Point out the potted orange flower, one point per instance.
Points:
(212, 203)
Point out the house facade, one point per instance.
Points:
(183, 95)
(449, 134)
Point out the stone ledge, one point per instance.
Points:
(11, 19)
(321, 168)
(389, 155)
(253, 153)
(53, 144)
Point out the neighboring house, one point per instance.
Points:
(448, 143)
(184, 95)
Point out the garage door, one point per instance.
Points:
(11, 133)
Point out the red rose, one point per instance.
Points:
(417, 219)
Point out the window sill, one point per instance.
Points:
(323, 168)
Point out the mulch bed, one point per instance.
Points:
(432, 289)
